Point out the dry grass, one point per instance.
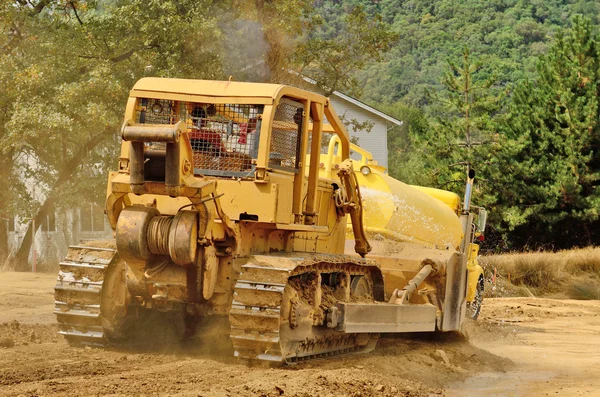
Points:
(572, 273)
(583, 261)
(584, 289)
(504, 289)
(537, 272)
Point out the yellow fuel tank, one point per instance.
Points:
(401, 212)
(397, 211)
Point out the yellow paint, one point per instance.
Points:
(277, 197)
(405, 213)
(395, 209)
(295, 210)
(217, 91)
(393, 205)
(475, 271)
(452, 200)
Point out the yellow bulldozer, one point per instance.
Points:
(225, 210)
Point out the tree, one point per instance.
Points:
(67, 69)
(405, 161)
(509, 34)
(332, 60)
(461, 133)
(551, 161)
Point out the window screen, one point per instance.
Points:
(286, 133)
(224, 137)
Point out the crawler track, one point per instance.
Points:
(78, 292)
(264, 308)
(277, 315)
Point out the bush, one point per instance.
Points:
(583, 261)
(584, 289)
(536, 271)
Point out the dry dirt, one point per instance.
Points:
(520, 347)
(554, 345)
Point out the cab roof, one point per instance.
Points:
(218, 91)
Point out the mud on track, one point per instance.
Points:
(34, 360)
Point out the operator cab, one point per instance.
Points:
(225, 137)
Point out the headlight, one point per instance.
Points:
(365, 170)
(157, 108)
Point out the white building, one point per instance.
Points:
(374, 141)
(57, 232)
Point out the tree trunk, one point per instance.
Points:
(3, 238)
(6, 166)
(20, 262)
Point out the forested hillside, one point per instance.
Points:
(508, 35)
(508, 87)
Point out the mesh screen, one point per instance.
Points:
(156, 111)
(285, 136)
(224, 137)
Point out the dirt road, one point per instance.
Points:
(34, 360)
(554, 345)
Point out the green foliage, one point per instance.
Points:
(509, 34)
(332, 56)
(462, 131)
(68, 71)
(458, 134)
(539, 175)
(547, 187)
(405, 161)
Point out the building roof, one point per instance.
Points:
(359, 103)
(368, 108)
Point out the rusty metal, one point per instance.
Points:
(369, 318)
(152, 133)
(89, 296)
(142, 231)
(351, 203)
(136, 166)
(183, 238)
(455, 294)
(132, 233)
(173, 170)
(158, 234)
(210, 271)
(401, 296)
(273, 321)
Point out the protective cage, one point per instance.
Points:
(286, 134)
(224, 137)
